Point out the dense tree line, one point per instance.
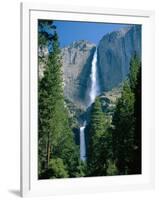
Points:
(58, 154)
(116, 148)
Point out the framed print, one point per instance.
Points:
(87, 83)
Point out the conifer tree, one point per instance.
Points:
(123, 135)
(44, 99)
(127, 123)
(135, 84)
(133, 76)
(50, 94)
(97, 153)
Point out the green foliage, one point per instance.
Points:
(97, 121)
(70, 155)
(98, 142)
(50, 98)
(82, 169)
(116, 148)
(112, 169)
(57, 169)
(57, 148)
(135, 66)
(136, 165)
(124, 129)
(126, 134)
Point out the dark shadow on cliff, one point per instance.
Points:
(84, 78)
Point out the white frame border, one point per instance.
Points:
(31, 187)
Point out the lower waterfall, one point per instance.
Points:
(82, 143)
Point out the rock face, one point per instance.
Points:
(77, 59)
(114, 53)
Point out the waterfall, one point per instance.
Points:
(82, 143)
(94, 91)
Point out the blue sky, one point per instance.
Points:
(70, 31)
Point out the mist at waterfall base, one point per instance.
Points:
(94, 91)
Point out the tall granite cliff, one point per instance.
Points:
(77, 58)
(114, 53)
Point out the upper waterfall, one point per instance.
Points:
(94, 89)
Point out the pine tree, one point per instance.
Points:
(123, 134)
(127, 123)
(44, 100)
(133, 76)
(135, 84)
(50, 97)
(97, 147)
